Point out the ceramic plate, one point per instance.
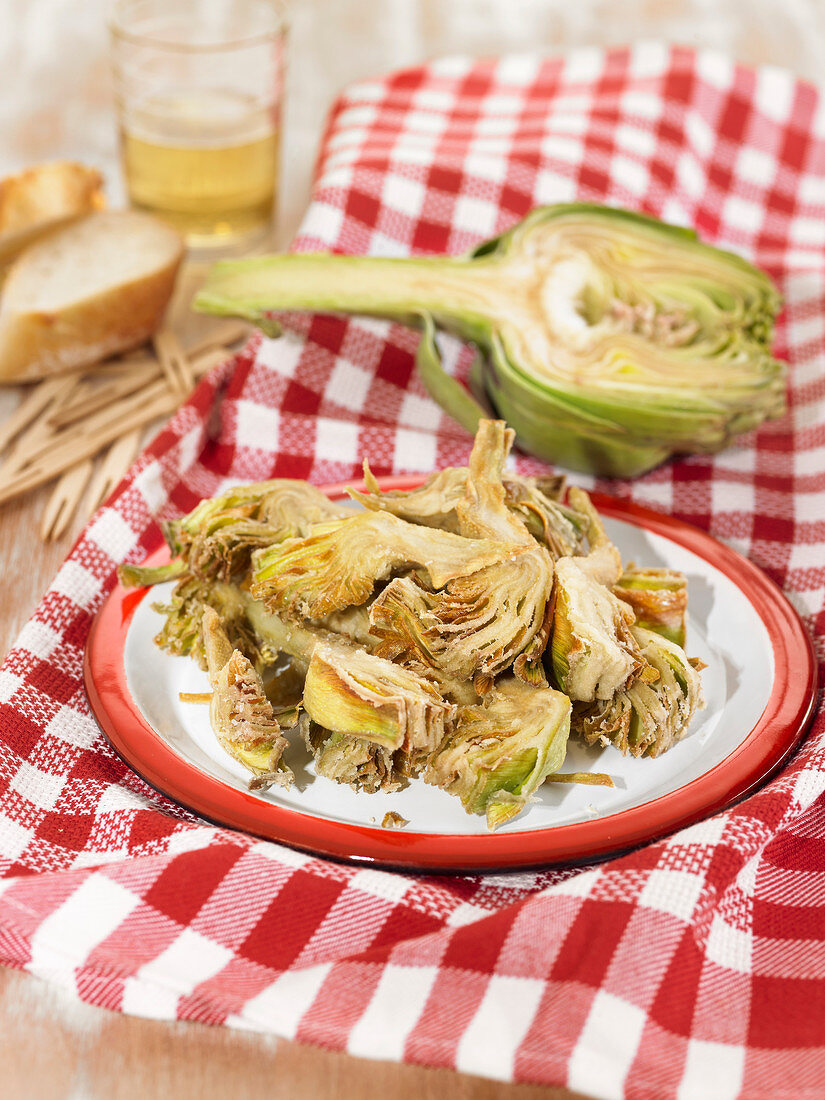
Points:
(759, 686)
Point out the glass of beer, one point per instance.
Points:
(199, 87)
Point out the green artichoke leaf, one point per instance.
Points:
(610, 340)
(499, 753)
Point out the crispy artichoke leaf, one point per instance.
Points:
(603, 562)
(294, 507)
(338, 564)
(499, 753)
(431, 505)
(350, 691)
(482, 512)
(358, 763)
(239, 711)
(182, 634)
(218, 536)
(477, 623)
(658, 598)
(558, 527)
(650, 715)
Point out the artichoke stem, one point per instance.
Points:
(455, 291)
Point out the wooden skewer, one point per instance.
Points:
(64, 500)
(55, 458)
(122, 384)
(123, 396)
(116, 368)
(173, 361)
(30, 408)
(222, 336)
(98, 397)
(39, 431)
(99, 424)
(113, 468)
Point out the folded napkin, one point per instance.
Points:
(693, 967)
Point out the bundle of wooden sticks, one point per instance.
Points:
(85, 428)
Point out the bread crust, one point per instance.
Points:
(43, 198)
(46, 191)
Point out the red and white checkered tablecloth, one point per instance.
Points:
(692, 968)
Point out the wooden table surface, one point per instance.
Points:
(56, 102)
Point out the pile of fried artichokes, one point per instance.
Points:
(458, 632)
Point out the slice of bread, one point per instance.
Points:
(94, 288)
(41, 199)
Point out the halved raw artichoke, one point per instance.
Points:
(610, 340)
(653, 712)
(500, 752)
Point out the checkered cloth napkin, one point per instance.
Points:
(694, 967)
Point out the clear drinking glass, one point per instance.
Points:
(199, 86)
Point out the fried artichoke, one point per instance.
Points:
(240, 713)
(654, 712)
(658, 598)
(500, 752)
(609, 340)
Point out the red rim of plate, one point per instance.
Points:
(764, 748)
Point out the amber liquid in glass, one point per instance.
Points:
(207, 162)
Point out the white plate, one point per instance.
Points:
(724, 630)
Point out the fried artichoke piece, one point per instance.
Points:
(658, 598)
(483, 622)
(182, 634)
(475, 624)
(499, 753)
(533, 500)
(217, 537)
(350, 691)
(239, 711)
(560, 528)
(338, 564)
(431, 504)
(592, 649)
(294, 507)
(603, 562)
(650, 715)
(482, 511)
(360, 764)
